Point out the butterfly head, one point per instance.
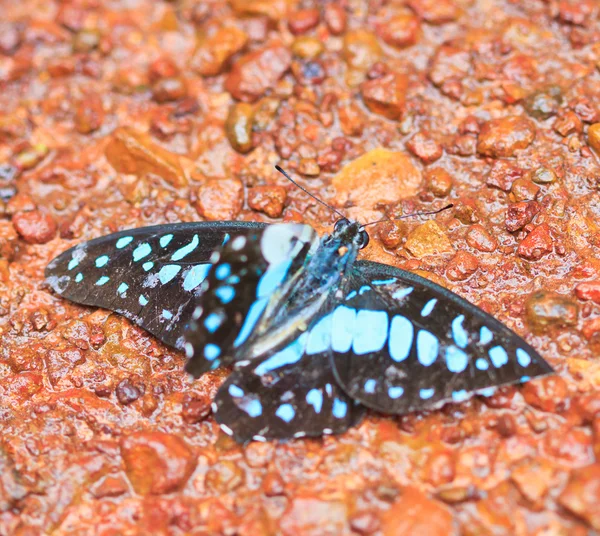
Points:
(350, 232)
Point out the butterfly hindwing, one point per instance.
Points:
(247, 280)
(401, 343)
(290, 393)
(151, 275)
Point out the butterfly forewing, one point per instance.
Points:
(290, 393)
(247, 279)
(401, 343)
(151, 275)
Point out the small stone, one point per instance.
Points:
(127, 392)
(195, 409)
(391, 233)
(11, 37)
(307, 48)
(156, 462)
(169, 89)
(268, 199)
(401, 30)
(428, 239)
(273, 9)
(238, 127)
(534, 479)
(378, 177)
(582, 494)
(546, 309)
(309, 515)
(438, 181)
(505, 136)
(542, 105)
(89, 115)
(568, 123)
(31, 157)
(110, 486)
(518, 215)
(133, 152)
(361, 50)
(365, 523)
(435, 11)
(524, 190)
(352, 119)
(427, 516)
(503, 174)
(440, 469)
(224, 476)
(423, 146)
(213, 54)
(537, 243)
(309, 167)
(220, 199)
(589, 290)
(303, 21)
(449, 64)
(35, 227)
(86, 40)
(335, 18)
(479, 238)
(462, 266)
(386, 96)
(8, 240)
(311, 72)
(543, 175)
(258, 71)
(594, 137)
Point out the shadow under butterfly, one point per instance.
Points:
(314, 334)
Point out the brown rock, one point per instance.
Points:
(220, 199)
(8, 240)
(518, 215)
(594, 137)
(423, 146)
(267, 199)
(238, 127)
(386, 96)
(391, 233)
(131, 151)
(428, 239)
(533, 478)
(307, 48)
(312, 516)
(35, 227)
(401, 30)
(303, 21)
(435, 11)
(377, 177)
(110, 486)
(524, 190)
(504, 136)
(171, 461)
(545, 309)
(195, 409)
(537, 243)
(568, 123)
(582, 494)
(543, 175)
(413, 513)
(89, 115)
(462, 266)
(212, 55)
(352, 119)
(258, 71)
(335, 18)
(479, 238)
(169, 89)
(361, 50)
(127, 392)
(589, 290)
(438, 181)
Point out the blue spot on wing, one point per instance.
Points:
(254, 313)
(165, 240)
(286, 412)
(401, 338)
(143, 250)
(288, 356)
(427, 347)
(395, 392)
(485, 335)
(340, 408)
(498, 356)
(124, 242)
(459, 334)
(371, 331)
(342, 330)
(428, 307)
(315, 398)
(456, 359)
(103, 280)
(319, 338)
(186, 250)
(168, 273)
(102, 261)
(194, 276)
(523, 358)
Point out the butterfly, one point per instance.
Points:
(315, 335)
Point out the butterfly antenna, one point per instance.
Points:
(284, 173)
(431, 213)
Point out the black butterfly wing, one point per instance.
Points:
(290, 393)
(249, 280)
(401, 343)
(151, 275)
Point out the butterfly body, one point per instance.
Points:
(314, 334)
